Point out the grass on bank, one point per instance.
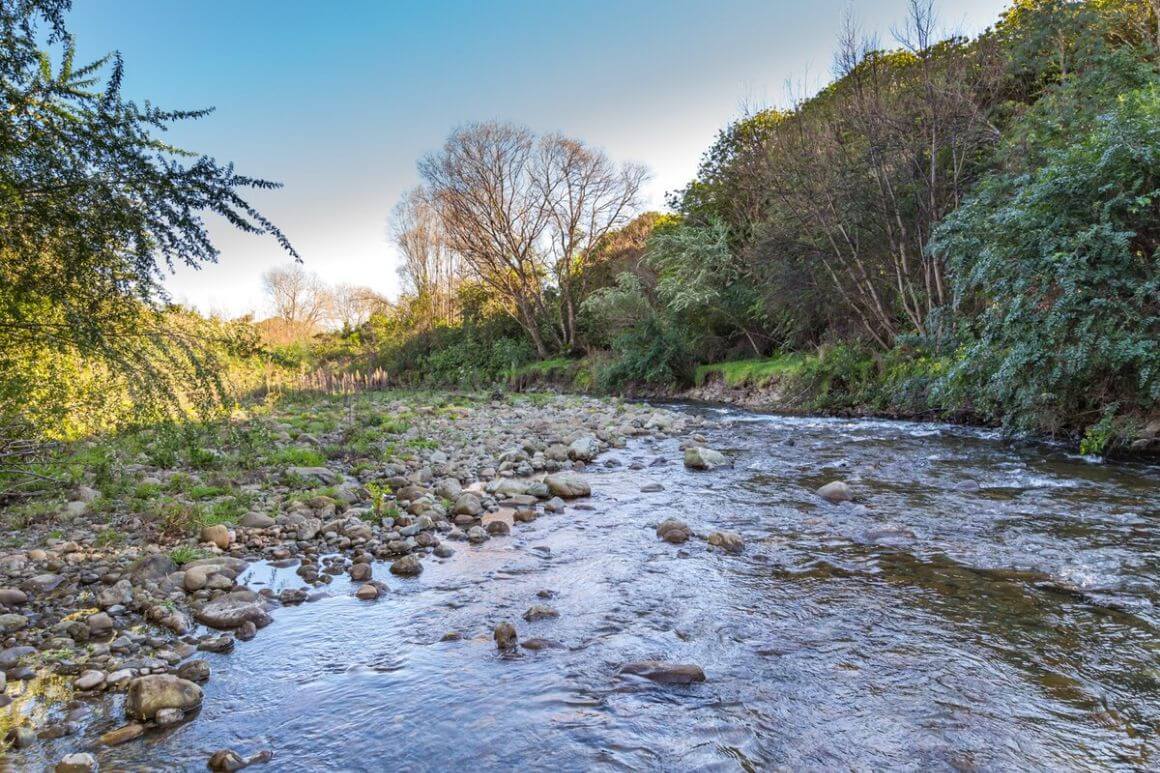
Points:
(753, 372)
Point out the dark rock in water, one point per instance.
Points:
(665, 673)
(226, 761)
(651, 488)
(217, 644)
(506, 637)
(20, 737)
(674, 531)
(540, 612)
(123, 734)
(407, 566)
(498, 528)
(541, 644)
(194, 671)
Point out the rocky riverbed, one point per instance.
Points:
(460, 582)
(120, 586)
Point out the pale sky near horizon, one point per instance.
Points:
(339, 101)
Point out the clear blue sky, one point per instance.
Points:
(339, 100)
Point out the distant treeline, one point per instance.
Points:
(965, 225)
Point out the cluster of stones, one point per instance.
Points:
(77, 609)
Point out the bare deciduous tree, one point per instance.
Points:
(484, 186)
(298, 297)
(587, 197)
(430, 269)
(351, 306)
(524, 213)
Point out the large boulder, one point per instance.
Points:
(150, 694)
(699, 458)
(567, 485)
(228, 612)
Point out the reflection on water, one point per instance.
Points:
(981, 606)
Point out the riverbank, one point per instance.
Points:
(840, 383)
(118, 583)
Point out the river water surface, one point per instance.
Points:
(985, 607)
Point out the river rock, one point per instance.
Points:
(506, 637)
(149, 694)
(407, 566)
(123, 734)
(12, 622)
(225, 761)
(727, 540)
(218, 534)
(836, 491)
(77, 762)
(367, 592)
(700, 458)
(43, 583)
(467, 504)
(448, 488)
(255, 520)
(153, 568)
(665, 673)
(13, 597)
(20, 737)
(674, 531)
(476, 535)
(567, 485)
(360, 572)
(90, 680)
(194, 671)
(321, 475)
(584, 448)
(540, 612)
(231, 612)
(120, 592)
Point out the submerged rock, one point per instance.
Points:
(123, 734)
(540, 612)
(665, 673)
(727, 540)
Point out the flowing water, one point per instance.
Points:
(988, 607)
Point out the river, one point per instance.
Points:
(984, 606)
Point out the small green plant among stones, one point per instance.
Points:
(183, 554)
